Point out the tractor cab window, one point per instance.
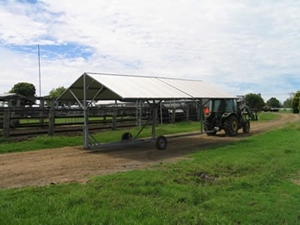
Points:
(218, 105)
(223, 105)
(229, 105)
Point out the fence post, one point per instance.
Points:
(104, 115)
(139, 112)
(198, 111)
(41, 114)
(114, 120)
(51, 118)
(187, 112)
(6, 123)
(173, 112)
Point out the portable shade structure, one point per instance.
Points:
(99, 86)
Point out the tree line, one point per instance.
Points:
(253, 100)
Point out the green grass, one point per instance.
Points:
(43, 142)
(264, 116)
(248, 182)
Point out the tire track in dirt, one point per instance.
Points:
(73, 164)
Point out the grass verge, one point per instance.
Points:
(46, 142)
(249, 182)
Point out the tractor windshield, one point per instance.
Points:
(223, 105)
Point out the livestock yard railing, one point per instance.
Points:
(31, 121)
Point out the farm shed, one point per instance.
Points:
(16, 100)
(129, 88)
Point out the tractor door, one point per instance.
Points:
(218, 106)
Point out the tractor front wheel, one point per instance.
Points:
(246, 127)
(231, 126)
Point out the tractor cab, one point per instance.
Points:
(224, 114)
(223, 106)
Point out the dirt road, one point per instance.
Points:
(73, 164)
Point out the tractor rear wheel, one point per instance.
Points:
(231, 126)
(246, 127)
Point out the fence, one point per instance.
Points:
(24, 121)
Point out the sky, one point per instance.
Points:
(246, 46)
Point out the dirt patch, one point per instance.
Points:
(73, 164)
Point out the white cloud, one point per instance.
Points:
(245, 46)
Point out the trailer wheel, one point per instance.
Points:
(246, 127)
(126, 136)
(161, 142)
(231, 126)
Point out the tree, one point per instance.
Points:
(295, 102)
(254, 101)
(24, 88)
(288, 102)
(274, 103)
(56, 92)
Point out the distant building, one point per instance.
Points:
(15, 100)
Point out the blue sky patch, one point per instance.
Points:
(69, 50)
(28, 1)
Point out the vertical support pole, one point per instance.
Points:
(137, 113)
(115, 114)
(161, 112)
(51, 118)
(201, 116)
(104, 114)
(173, 112)
(6, 123)
(154, 118)
(86, 116)
(10, 103)
(197, 110)
(41, 114)
(141, 113)
(187, 111)
(18, 103)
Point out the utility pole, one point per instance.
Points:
(39, 60)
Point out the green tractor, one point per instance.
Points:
(229, 115)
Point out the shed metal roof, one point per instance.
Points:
(14, 96)
(101, 86)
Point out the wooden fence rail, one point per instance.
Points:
(50, 120)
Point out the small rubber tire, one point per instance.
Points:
(126, 136)
(246, 127)
(161, 142)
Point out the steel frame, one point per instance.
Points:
(90, 141)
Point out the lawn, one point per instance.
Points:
(254, 181)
